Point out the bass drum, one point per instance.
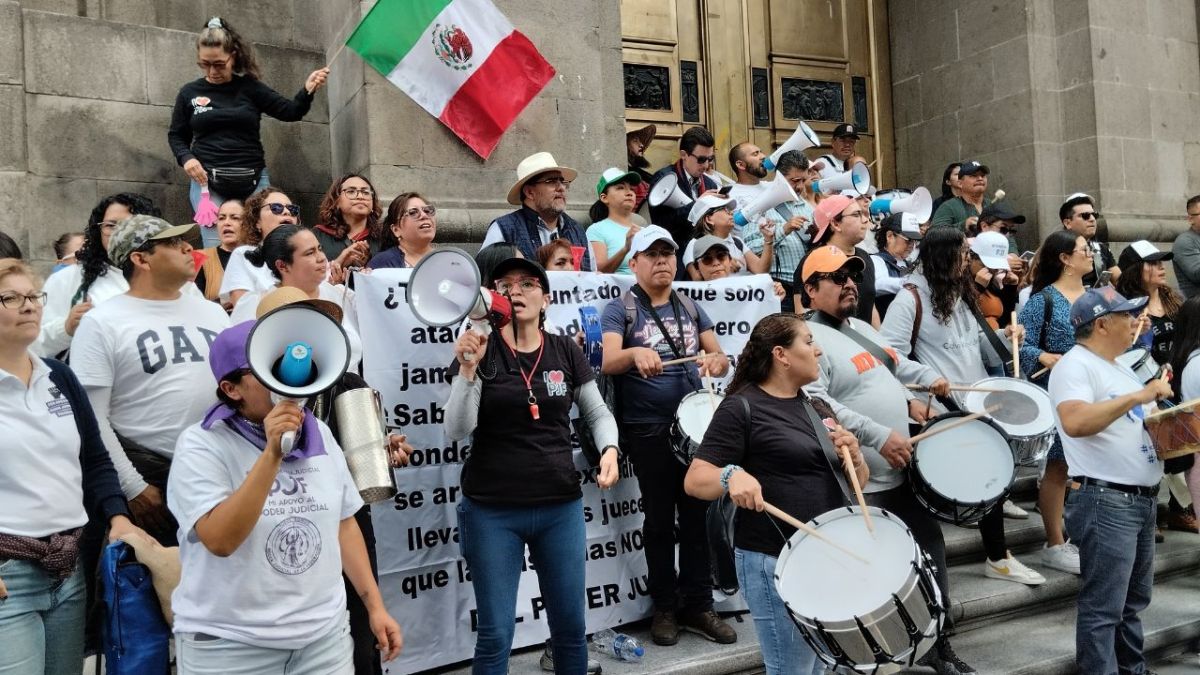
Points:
(692, 417)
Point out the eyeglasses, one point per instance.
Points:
(727, 209)
(555, 182)
(840, 278)
(108, 226)
(1088, 215)
(212, 65)
(355, 193)
(278, 209)
(714, 258)
(18, 300)
(860, 214)
(1086, 252)
(526, 284)
(704, 159)
(416, 211)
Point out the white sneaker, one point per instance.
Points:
(1063, 557)
(1013, 511)
(1011, 569)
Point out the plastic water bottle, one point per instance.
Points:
(617, 645)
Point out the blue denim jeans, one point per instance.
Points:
(492, 538)
(199, 654)
(209, 234)
(41, 620)
(784, 650)
(1115, 534)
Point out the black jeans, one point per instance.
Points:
(991, 530)
(155, 470)
(660, 478)
(925, 529)
(366, 657)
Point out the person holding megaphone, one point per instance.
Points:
(712, 214)
(512, 391)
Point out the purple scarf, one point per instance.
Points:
(308, 439)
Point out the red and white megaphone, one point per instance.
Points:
(919, 204)
(858, 178)
(445, 288)
(802, 139)
(778, 191)
(666, 192)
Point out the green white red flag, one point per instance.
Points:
(461, 60)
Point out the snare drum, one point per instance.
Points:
(692, 417)
(1140, 363)
(1026, 414)
(960, 474)
(589, 323)
(861, 618)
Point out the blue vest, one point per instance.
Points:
(520, 228)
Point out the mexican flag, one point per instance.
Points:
(461, 60)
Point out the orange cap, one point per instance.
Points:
(828, 259)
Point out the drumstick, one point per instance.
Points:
(1141, 324)
(1173, 410)
(811, 531)
(686, 359)
(862, 501)
(708, 384)
(956, 423)
(957, 387)
(1041, 372)
(1016, 350)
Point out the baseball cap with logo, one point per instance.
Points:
(972, 167)
(646, 237)
(828, 209)
(613, 175)
(904, 224)
(992, 249)
(1142, 251)
(845, 131)
(1097, 302)
(133, 232)
(708, 202)
(828, 259)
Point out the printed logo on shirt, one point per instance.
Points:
(58, 406)
(293, 546)
(153, 348)
(650, 336)
(864, 361)
(200, 104)
(556, 383)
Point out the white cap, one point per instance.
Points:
(992, 249)
(853, 194)
(708, 202)
(646, 237)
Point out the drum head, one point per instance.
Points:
(1025, 408)
(969, 463)
(695, 412)
(819, 581)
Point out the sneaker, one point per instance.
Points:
(1159, 537)
(1063, 557)
(944, 661)
(547, 662)
(1011, 569)
(1013, 511)
(664, 628)
(708, 625)
(1182, 521)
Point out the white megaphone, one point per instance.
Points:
(778, 192)
(445, 288)
(919, 204)
(802, 139)
(858, 178)
(297, 351)
(666, 192)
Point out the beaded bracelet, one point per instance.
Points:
(726, 473)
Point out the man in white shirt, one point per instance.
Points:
(143, 359)
(841, 149)
(1101, 407)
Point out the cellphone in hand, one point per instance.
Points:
(1027, 256)
(1103, 279)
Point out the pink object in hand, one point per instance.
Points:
(206, 211)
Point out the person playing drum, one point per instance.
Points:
(646, 327)
(863, 379)
(762, 445)
(932, 321)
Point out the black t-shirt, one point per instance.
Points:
(1162, 328)
(784, 455)
(218, 124)
(866, 290)
(515, 459)
(1106, 262)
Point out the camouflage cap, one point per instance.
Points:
(131, 233)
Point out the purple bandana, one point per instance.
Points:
(308, 440)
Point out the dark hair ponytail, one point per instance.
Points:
(218, 33)
(276, 247)
(754, 364)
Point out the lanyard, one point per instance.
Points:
(533, 404)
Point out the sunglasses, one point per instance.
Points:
(840, 277)
(1089, 215)
(279, 209)
(704, 159)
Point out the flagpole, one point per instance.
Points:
(335, 55)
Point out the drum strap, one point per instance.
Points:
(831, 454)
(843, 327)
(1003, 351)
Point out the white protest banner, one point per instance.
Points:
(424, 581)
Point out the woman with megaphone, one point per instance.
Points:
(513, 392)
(712, 214)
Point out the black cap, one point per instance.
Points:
(972, 167)
(845, 130)
(1142, 251)
(1001, 211)
(524, 264)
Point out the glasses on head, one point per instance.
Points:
(526, 284)
(18, 300)
(704, 159)
(840, 277)
(279, 209)
(556, 182)
(416, 211)
(212, 65)
(356, 193)
(1088, 215)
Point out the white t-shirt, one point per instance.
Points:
(1122, 452)
(282, 588)
(1189, 386)
(833, 166)
(735, 245)
(42, 481)
(343, 297)
(153, 354)
(744, 194)
(240, 275)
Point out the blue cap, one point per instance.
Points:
(1096, 302)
